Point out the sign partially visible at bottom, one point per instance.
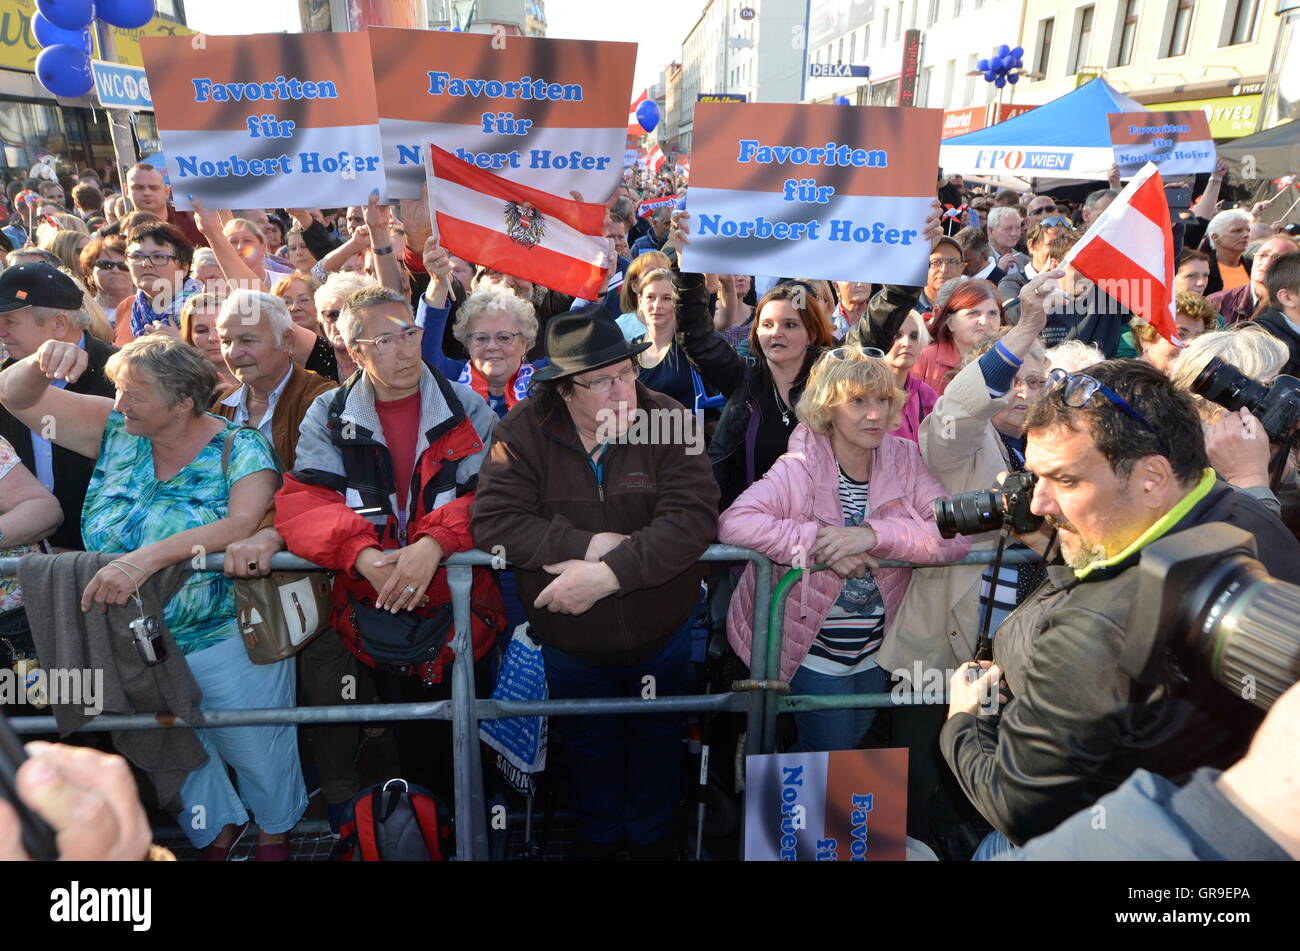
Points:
(844, 806)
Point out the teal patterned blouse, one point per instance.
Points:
(127, 507)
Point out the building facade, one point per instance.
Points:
(742, 47)
(510, 17)
(1173, 54)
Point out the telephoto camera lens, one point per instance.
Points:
(969, 513)
(1204, 605)
(1222, 383)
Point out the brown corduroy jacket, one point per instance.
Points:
(303, 387)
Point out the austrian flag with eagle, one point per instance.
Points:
(552, 241)
(524, 223)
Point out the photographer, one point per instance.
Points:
(1076, 726)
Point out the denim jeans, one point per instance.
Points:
(825, 730)
(624, 771)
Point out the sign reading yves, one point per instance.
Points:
(546, 113)
(1179, 143)
(811, 190)
(284, 120)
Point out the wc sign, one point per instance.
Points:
(121, 87)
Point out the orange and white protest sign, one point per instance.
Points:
(546, 113)
(277, 120)
(833, 192)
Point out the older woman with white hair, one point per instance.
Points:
(1227, 236)
(1073, 356)
(1238, 447)
(162, 491)
(847, 494)
(330, 298)
(496, 327)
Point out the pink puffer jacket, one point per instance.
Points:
(779, 516)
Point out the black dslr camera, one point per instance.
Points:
(987, 510)
(1276, 406)
(1204, 605)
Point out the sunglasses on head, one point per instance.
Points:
(848, 353)
(1078, 389)
(1055, 221)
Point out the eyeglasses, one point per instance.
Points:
(385, 343)
(602, 384)
(848, 353)
(1056, 221)
(503, 339)
(937, 263)
(1079, 389)
(156, 258)
(110, 266)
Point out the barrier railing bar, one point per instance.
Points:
(776, 632)
(257, 716)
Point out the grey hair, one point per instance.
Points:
(1074, 356)
(1252, 350)
(349, 325)
(178, 370)
(495, 298)
(341, 284)
(203, 257)
(246, 304)
(1221, 221)
(1094, 198)
(79, 318)
(1000, 212)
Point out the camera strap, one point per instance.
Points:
(1277, 465)
(984, 646)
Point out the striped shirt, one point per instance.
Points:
(855, 626)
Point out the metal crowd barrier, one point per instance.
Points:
(758, 699)
(464, 709)
(780, 700)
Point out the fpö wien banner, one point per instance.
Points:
(1179, 143)
(283, 120)
(846, 806)
(832, 192)
(549, 114)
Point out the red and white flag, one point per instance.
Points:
(633, 123)
(484, 218)
(1129, 252)
(656, 159)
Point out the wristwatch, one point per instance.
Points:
(387, 250)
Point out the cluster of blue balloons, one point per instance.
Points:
(1001, 69)
(62, 28)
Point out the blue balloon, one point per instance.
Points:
(1020, 63)
(47, 34)
(1018, 52)
(982, 66)
(648, 115)
(1003, 50)
(67, 14)
(990, 76)
(841, 100)
(128, 14)
(1000, 81)
(64, 71)
(1013, 78)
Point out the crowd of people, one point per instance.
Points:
(335, 384)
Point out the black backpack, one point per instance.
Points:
(396, 821)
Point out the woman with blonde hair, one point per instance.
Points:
(67, 245)
(628, 295)
(199, 329)
(846, 494)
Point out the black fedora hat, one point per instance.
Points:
(582, 340)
